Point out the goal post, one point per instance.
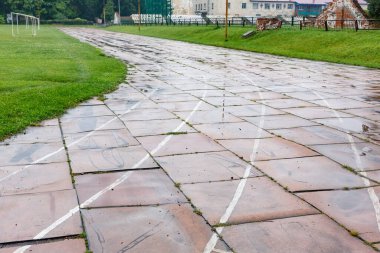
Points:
(30, 21)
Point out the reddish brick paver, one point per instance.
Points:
(285, 150)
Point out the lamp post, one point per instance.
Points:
(226, 24)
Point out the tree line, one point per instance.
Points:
(68, 9)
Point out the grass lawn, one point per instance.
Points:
(349, 47)
(43, 76)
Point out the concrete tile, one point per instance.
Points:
(63, 246)
(156, 127)
(79, 125)
(205, 167)
(147, 114)
(148, 187)
(211, 93)
(169, 98)
(23, 154)
(373, 175)
(310, 96)
(354, 125)
(286, 103)
(42, 134)
(264, 95)
(342, 103)
(186, 106)
(280, 121)
(238, 130)
(309, 174)
(113, 159)
(252, 110)
(313, 234)
(32, 213)
(270, 201)
(167, 228)
(35, 178)
(268, 149)
(101, 139)
(209, 117)
(369, 154)
(88, 111)
(227, 101)
(180, 144)
(316, 112)
(314, 135)
(353, 209)
(372, 113)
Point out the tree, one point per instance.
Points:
(109, 10)
(374, 8)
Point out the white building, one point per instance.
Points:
(182, 7)
(245, 8)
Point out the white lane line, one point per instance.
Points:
(243, 181)
(371, 192)
(117, 182)
(75, 142)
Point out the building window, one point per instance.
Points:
(255, 5)
(212, 6)
(244, 6)
(267, 6)
(290, 6)
(300, 7)
(229, 5)
(258, 15)
(204, 6)
(278, 6)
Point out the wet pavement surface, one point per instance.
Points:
(201, 149)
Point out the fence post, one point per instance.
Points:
(217, 23)
(229, 22)
(300, 25)
(356, 25)
(326, 26)
(292, 20)
(243, 23)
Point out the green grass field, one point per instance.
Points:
(349, 47)
(43, 76)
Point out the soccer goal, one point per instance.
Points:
(30, 22)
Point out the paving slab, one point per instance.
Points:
(238, 130)
(315, 135)
(209, 117)
(261, 200)
(63, 246)
(180, 144)
(373, 175)
(211, 93)
(167, 228)
(268, 149)
(88, 111)
(280, 121)
(369, 154)
(102, 139)
(149, 187)
(23, 154)
(372, 113)
(252, 110)
(205, 167)
(186, 106)
(112, 159)
(156, 127)
(310, 174)
(227, 101)
(267, 95)
(342, 103)
(88, 124)
(353, 125)
(147, 114)
(312, 233)
(316, 112)
(31, 213)
(286, 103)
(41, 134)
(173, 98)
(354, 209)
(35, 178)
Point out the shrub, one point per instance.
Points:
(2, 19)
(76, 21)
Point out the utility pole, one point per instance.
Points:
(139, 7)
(226, 24)
(119, 13)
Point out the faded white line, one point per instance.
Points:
(243, 181)
(120, 180)
(371, 192)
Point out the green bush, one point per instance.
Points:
(2, 19)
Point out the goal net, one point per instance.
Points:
(31, 22)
